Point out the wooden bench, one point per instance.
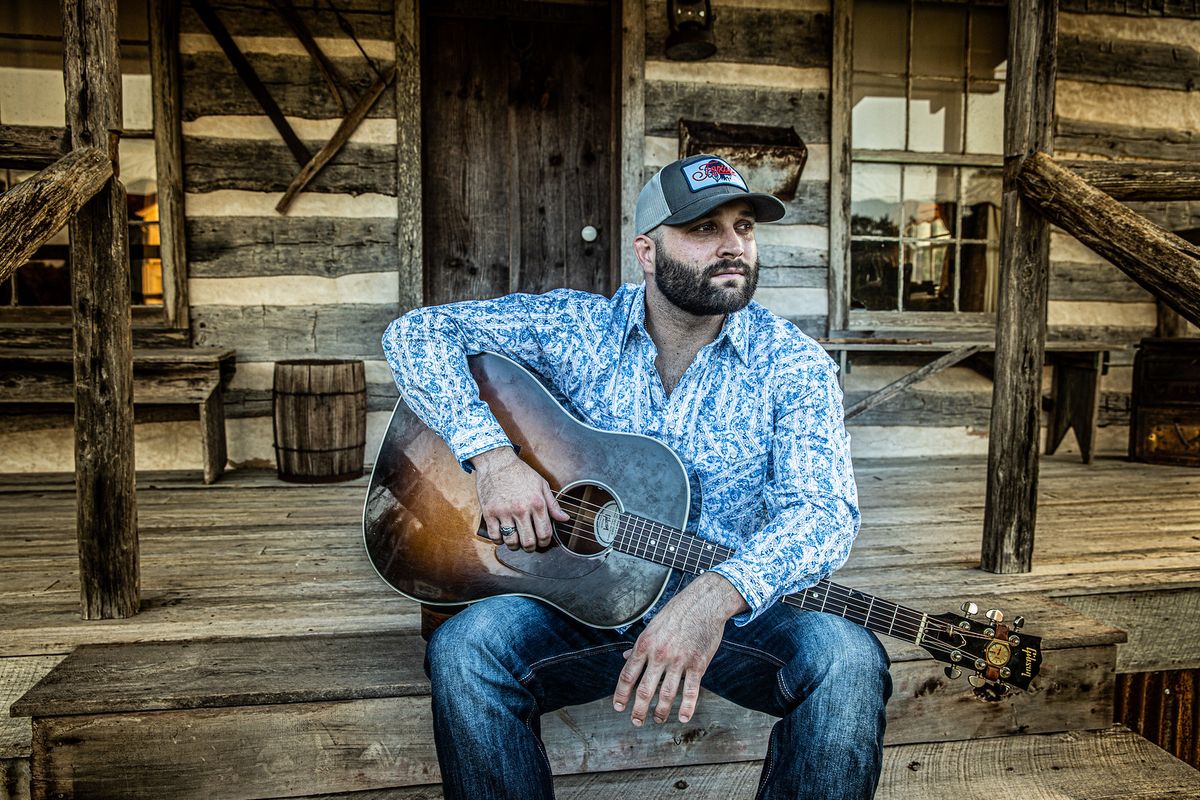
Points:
(190, 376)
(1074, 394)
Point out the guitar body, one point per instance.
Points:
(422, 519)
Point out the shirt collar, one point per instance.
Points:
(735, 331)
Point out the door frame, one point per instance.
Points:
(628, 36)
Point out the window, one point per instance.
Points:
(926, 121)
(32, 93)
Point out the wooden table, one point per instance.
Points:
(1074, 394)
(192, 375)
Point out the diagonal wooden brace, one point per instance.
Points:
(335, 144)
(932, 368)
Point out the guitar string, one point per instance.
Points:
(842, 595)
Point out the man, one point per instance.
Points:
(752, 407)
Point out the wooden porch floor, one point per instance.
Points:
(252, 556)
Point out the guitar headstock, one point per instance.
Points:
(993, 650)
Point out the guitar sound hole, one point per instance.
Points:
(594, 515)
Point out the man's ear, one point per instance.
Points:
(644, 249)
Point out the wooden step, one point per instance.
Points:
(280, 717)
(1111, 764)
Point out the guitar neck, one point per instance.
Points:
(662, 544)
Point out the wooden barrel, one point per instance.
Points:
(320, 422)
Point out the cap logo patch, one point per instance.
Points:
(714, 172)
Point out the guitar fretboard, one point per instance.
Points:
(671, 547)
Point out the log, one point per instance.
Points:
(1164, 264)
(25, 146)
(166, 89)
(100, 297)
(37, 208)
(1011, 508)
(1177, 180)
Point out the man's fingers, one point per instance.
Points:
(629, 675)
(552, 505)
(666, 696)
(493, 529)
(528, 536)
(541, 528)
(646, 690)
(691, 694)
(510, 535)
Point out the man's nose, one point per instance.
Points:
(731, 244)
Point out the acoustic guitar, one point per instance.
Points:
(628, 498)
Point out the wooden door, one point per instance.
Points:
(517, 132)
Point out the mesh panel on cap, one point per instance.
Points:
(652, 206)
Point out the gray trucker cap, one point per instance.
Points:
(691, 187)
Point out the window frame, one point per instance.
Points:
(842, 319)
(162, 18)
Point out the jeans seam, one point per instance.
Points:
(569, 656)
(775, 660)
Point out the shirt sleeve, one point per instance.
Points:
(811, 497)
(427, 349)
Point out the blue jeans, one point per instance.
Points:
(496, 667)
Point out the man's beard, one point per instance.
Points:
(695, 293)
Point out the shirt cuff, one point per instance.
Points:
(757, 593)
(481, 441)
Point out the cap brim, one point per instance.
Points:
(767, 208)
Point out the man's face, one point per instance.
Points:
(709, 266)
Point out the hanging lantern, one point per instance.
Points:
(691, 30)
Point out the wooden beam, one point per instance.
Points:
(251, 79)
(166, 91)
(1011, 508)
(409, 216)
(333, 77)
(839, 167)
(1125, 180)
(26, 146)
(100, 296)
(342, 135)
(37, 208)
(932, 368)
(1164, 264)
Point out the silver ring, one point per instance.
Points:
(505, 530)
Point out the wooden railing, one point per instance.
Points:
(37, 208)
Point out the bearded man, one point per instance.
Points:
(753, 409)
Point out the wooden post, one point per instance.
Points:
(409, 228)
(1011, 508)
(100, 296)
(166, 91)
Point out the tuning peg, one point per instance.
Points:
(1018, 622)
(953, 673)
(995, 615)
(976, 680)
(970, 609)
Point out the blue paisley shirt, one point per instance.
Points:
(756, 419)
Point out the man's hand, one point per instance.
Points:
(513, 495)
(678, 644)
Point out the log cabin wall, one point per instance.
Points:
(322, 280)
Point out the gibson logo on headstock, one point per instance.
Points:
(1030, 660)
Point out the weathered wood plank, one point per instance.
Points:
(239, 247)
(806, 110)
(265, 333)
(841, 80)
(263, 166)
(166, 92)
(1011, 512)
(785, 37)
(14, 779)
(1183, 9)
(211, 86)
(410, 213)
(1070, 280)
(896, 387)
(1166, 265)
(1166, 66)
(369, 19)
(1163, 627)
(17, 676)
(1126, 141)
(31, 146)
(37, 208)
(100, 299)
(1140, 181)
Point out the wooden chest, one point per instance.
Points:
(1165, 421)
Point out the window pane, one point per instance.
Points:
(985, 118)
(978, 284)
(877, 121)
(929, 202)
(981, 189)
(939, 43)
(935, 117)
(138, 174)
(873, 275)
(880, 34)
(929, 276)
(875, 200)
(31, 83)
(989, 42)
(136, 113)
